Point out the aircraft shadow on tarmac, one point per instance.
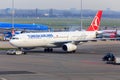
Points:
(60, 52)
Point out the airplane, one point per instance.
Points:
(68, 41)
(109, 34)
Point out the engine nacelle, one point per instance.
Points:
(69, 47)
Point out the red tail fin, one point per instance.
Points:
(96, 22)
(13, 31)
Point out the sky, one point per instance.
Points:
(62, 4)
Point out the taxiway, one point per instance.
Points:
(85, 64)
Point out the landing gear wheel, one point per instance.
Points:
(74, 51)
(24, 53)
(48, 50)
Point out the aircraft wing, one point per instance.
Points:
(61, 43)
(74, 42)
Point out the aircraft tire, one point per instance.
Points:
(48, 50)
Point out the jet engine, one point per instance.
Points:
(69, 47)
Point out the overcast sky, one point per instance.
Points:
(62, 4)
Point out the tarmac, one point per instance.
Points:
(5, 44)
(85, 64)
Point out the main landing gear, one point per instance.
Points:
(48, 50)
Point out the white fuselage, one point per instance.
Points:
(50, 39)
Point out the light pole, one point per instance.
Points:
(12, 31)
(81, 17)
(13, 14)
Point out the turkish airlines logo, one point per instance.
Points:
(96, 23)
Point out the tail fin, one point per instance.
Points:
(96, 22)
(13, 31)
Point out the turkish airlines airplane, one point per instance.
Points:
(68, 41)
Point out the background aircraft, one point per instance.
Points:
(19, 28)
(5, 25)
(109, 34)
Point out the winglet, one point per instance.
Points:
(96, 22)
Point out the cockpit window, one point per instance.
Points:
(15, 38)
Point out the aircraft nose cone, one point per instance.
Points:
(15, 43)
(11, 42)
